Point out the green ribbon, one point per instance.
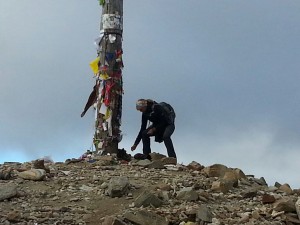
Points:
(102, 2)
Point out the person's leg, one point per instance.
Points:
(168, 141)
(146, 143)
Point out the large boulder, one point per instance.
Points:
(118, 186)
(216, 170)
(7, 191)
(33, 174)
(146, 199)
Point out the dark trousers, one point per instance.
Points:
(166, 137)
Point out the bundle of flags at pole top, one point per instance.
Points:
(102, 2)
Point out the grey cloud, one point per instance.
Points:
(230, 69)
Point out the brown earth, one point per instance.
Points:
(77, 193)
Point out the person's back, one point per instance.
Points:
(168, 112)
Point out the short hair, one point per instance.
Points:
(141, 103)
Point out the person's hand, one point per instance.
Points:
(133, 147)
(151, 131)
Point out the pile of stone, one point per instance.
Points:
(109, 191)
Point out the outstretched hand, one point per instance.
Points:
(133, 147)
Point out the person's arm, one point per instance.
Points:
(143, 127)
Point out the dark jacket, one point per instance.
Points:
(156, 114)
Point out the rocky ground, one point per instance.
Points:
(108, 190)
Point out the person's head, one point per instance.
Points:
(141, 105)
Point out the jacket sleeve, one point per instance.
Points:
(143, 127)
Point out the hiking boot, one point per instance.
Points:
(140, 156)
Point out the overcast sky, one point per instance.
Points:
(229, 68)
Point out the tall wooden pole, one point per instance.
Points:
(109, 84)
